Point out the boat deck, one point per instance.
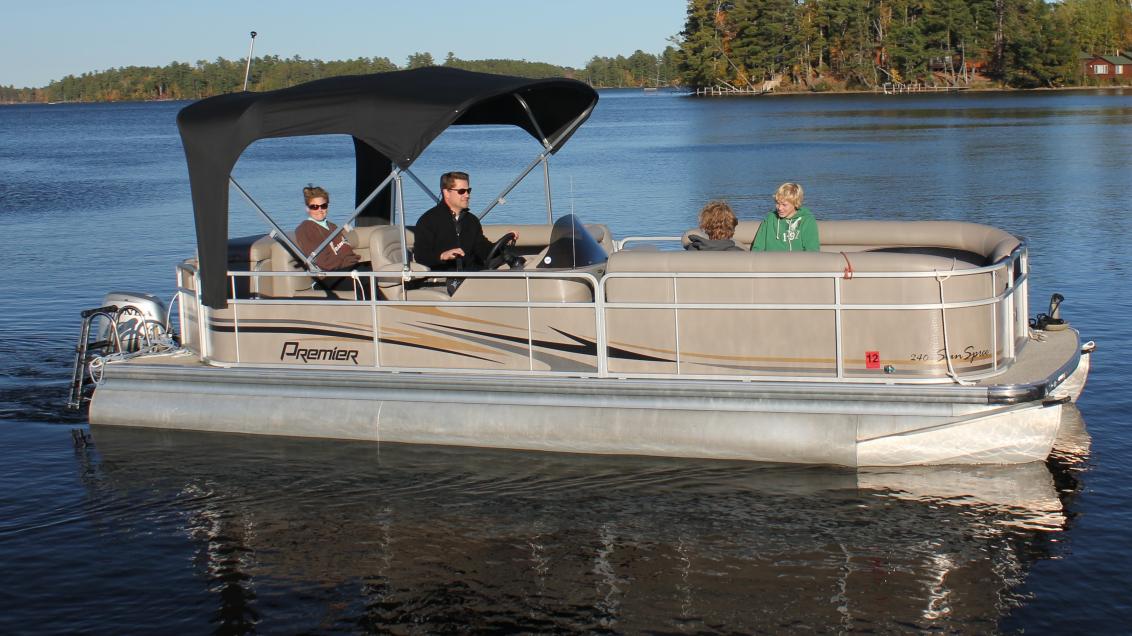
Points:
(1047, 359)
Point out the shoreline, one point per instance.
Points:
(776, 93)
(942, 91)
(980, 89)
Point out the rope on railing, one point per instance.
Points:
(163, 343)
(359, 288)
(848, 273)
(943, 313)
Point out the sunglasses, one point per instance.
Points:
(318, 206)
(460, 190)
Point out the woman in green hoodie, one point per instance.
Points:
(791, 227)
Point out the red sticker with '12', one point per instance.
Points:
(872, 359)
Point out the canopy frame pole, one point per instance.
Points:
(543, 156)
(435, 199)
(568, 130)
(501, 198)
(277, 232)
(534, 122)
(546, 191)
(399, 198)
(280, 234)
(545, 164)
(349, 223)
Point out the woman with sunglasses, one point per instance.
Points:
(338, 254)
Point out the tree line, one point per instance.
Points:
(638, 70)
(180, 80)
(826, 44)
(809, 44)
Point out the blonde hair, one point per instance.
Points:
(718, 221)
(790, 193)
(315, 192)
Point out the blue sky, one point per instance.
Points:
(45, 40)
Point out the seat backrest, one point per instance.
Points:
(284, 260)
(385, 246)
(858, 236)
(385, 253)
(260, 251)
(359, 240)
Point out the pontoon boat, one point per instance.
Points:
(899, 343)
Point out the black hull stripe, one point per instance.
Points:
(307, 331)
(585, 346)
(583, 349)
(614, 352)
(414, 345)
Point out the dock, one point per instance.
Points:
(725, 89)
(896, 88)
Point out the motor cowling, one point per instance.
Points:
(140, 319)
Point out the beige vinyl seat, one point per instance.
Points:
(984, 244)
(281, 258)
(385, 248)
(877, 312)
(385, 255)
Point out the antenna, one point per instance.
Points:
(571, 194)
(573, 225)
(248, 68)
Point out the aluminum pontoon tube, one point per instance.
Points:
(841, 424)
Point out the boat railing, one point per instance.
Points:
(647, 240)
(377, 295)
(1005, 320)
(1000, 304)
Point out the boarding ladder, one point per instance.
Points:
(126, 330)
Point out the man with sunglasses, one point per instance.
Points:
(448, 236)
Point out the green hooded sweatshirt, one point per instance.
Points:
(798, 233)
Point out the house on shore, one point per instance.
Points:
(1116, 68)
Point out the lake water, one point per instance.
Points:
(152, 532)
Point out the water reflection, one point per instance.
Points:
(296, 535)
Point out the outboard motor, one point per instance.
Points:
(128, 322)
(140, 319)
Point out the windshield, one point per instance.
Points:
(571, 246)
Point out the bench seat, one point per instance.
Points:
(988, 243)
(792, 325)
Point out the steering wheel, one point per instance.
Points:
(495, 257)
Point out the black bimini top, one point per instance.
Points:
(393, 117)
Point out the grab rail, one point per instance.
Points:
(620, 245)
